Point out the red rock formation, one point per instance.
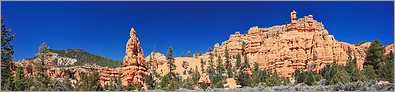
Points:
(304, 44)
(134, 69)
(204, 78)
(305, 24)
(389, 48)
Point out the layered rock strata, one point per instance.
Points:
(303, 44)
(134, 69)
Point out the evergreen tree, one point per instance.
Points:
(220, 67)
(299, 76)
(274, 80)
(7, 53)
(188, 83)
(172, 86)
(340, 76)
(196, 75)
(202, 63)
(310, 78)
(243, 79)
(238, 61)
(389, 67)
(219, 85)
(149, 81)
(41, 81)
(119, 86)
(185, 65)
(266, 77)
(246, 63)
(63, 85)
(374, 54)
(204, 85)
(285, 81)
(189, 54)
(369, 72)
(228, 64)
(210, 69)
(21, 83)
(256, 75)
(171, 62)
(165, 80)
(130, 87)
(90, 82)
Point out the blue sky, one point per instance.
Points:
(102, 28)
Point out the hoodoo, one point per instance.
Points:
(134, 69)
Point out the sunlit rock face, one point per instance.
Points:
(134, 69)
(303, 44)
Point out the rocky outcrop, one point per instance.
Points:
(231, 83)
(155, 59)
(60, 61)
(204, 78)
(55, 72)
(389, 49)
(303, 44)
(134, 69)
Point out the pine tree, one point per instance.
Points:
(238, 61)
(374, 54)
(41, 81)
(130, 87)
(21, 83)
(285, 80)
(389, 67)
(189, 54)
(228, 64)
(171, 62)
(210, 69)
(310, 78)
(204, 85)
(90, 82)
(195, 75)
(149, 81)
(220, 67)
(243, 79)
(340, 77)
(119, 86)
(185, 65)
(246, 63)
(256, 75)
(7, 53)
(299, 76)
(165, 81)
(202, 63)
(369, 72)
(274, 80)
(188, 83)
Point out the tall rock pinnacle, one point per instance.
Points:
(134, 62)
(134, 53)
(134, 69)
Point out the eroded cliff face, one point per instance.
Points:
(303, 44)
(134, 69)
